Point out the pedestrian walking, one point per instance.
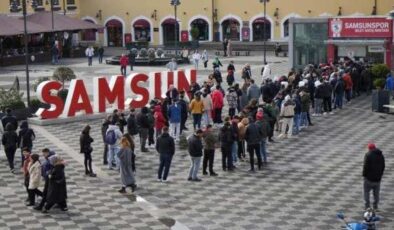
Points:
(124, 61)
(9, 118)
(196, 59)
(373, 169)
(205, 58)
(25, 169)
(57, 188)
(131, 57)
(125, 156)
(46, 168)
(226, 139)
(10, 142)
(165, 146)
(85, 141)
(264, 127)
(34, 169)
(26, 136)
(225, 44)
(195, 148)
(112, 137)
(174, 115)
(89, 52)
(100, 52)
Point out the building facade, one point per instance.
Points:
(153, 21)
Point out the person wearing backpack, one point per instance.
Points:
(112, 137)
(132, 127)
(25, 138)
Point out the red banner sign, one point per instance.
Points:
(120, 92)
(360, 28)
(184, 36)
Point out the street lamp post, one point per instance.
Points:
(176, 3)
(14, 7)
(265, 20)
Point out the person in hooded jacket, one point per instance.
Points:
(226, 139)
(165, 146)
(10, 142)
(264, 127)
(253, 138)
(132, 127)
(46, 168)
(104, 127)
(113, 147)
(160, 121)
(57, 188)
(85, 142)
(373, 169)
(9, 118)
(26, 137)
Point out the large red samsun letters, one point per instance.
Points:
(77, 99)
(44, 95)
(113, 93)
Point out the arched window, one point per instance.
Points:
(114, 33)
(142, 30)
(286, 28)
(261, 29)
(168, 30)
(231, 29)
(88, 35)
(203, 29)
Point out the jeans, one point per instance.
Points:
(252, 149)
(175, 129)
(304, 119)
(348, 94)
(287, 122)
(327, 104)
(194, 167)
(227, 161)
(196, 64)
(55, 59)
(90, 60)
(318, 105)
(234, 151)
(112, 151)
(209, 157)
(206, 117)
(10, 153)
(296, 122)
(339, 100)
(165, 163)
(144, 133)
(100, 57)
(263, 150)
(197, 120)
(123, 70)
(241, 149)
(375, 187)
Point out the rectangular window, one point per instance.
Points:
(70, 2)
(55, 2)
(15, 6)
(40, 3)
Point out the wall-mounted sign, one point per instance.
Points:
(360, 27)
(245, 33)
(376, 49)
(121, 92)
(184, 36)
(155, 29)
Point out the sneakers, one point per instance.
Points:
(213, 174)
(165, 181)
(122, 190)
(189, 179)
(158, 180)
(196, 180)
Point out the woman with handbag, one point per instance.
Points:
(86, 148)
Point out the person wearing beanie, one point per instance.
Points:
(264, 127)
(373, 169)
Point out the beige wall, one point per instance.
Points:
(245, 10)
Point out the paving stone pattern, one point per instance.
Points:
(308, 179)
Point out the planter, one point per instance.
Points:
(21, 114)
(380, 98)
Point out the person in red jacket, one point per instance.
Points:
(124, 61)
(348, 86)
(217, 102)
(160, 121)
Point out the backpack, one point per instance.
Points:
(110, 137)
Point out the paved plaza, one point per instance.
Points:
(306, 182)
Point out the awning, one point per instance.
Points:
(355, 42)
(61, 22)
(11, 26)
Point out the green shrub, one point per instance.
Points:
(380, 71)
(159, 52)
(35, 103)
(379, 83)
(194, 32)
(63, 94)
(151, 54)
(38, 81)
(11, 99)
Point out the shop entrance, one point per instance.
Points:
(114, 33)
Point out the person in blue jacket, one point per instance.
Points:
(174, 118)
(390, 84)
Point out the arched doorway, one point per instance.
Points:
(258, 28)
(286, 28)
(231, 29)
(203, 28)
(114, 33)
(142, 31)
(168, 30)
(88, 35)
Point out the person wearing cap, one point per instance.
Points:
(195, 148)
(373, 169)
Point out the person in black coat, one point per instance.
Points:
(131, 57)
(25, 138)
(143, 126)
(10, 141)
(253, 138)
(195, 148)
(226, 138)
(373, 169)
(85, 142)
(9, 118)
(57, 189)
(132, 128)
(104, 127)
(184, 110)
(165, 146)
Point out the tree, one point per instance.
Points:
(63, 74)
(194, 32)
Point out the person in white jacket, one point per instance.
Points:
(112, 139)
(208, 106)
(34, 179)
(196, 59)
